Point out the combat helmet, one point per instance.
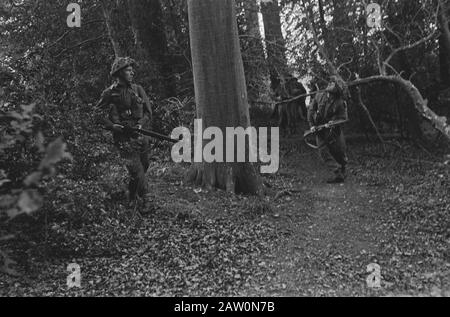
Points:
(121, 63)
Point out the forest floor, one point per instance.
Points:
(305, 238)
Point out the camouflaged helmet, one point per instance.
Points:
(121, 63)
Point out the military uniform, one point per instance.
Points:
(129, 106)
(324, 108)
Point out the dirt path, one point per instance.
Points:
(329, 234)
(332, 232)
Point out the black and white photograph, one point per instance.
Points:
(224, 154)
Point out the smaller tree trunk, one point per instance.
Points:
(275, 43)
(117, 23)
(254, 59)
(151, 41)
(444, 45)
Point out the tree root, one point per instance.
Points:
(238, 178)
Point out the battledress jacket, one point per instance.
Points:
(128, 106)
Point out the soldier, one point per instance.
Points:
(129, 107)
(326, 108)
(289, 113)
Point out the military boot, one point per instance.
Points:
(339, 177)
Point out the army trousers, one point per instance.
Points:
(334, 152)
(135, 152)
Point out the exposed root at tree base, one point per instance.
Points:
(238, 178)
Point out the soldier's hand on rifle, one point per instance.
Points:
(117, 128)
(128, 130)
(329, 124)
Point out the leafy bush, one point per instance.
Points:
(173, 113)
(21, 185)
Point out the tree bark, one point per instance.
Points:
(220, 90)
(275, 43)
(252, 19)
(444, 45)
(150, 39)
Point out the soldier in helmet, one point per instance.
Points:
(324, 109)
(129, 108)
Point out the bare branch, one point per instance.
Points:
(408, 47)
(81, 44)
(413, 45)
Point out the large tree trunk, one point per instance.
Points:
(117, 22)
(444, 45)
(151, 41)
(275, 43)
(220, 89)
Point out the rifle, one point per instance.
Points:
(149, 133)
(302, 96)
(328, 126)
